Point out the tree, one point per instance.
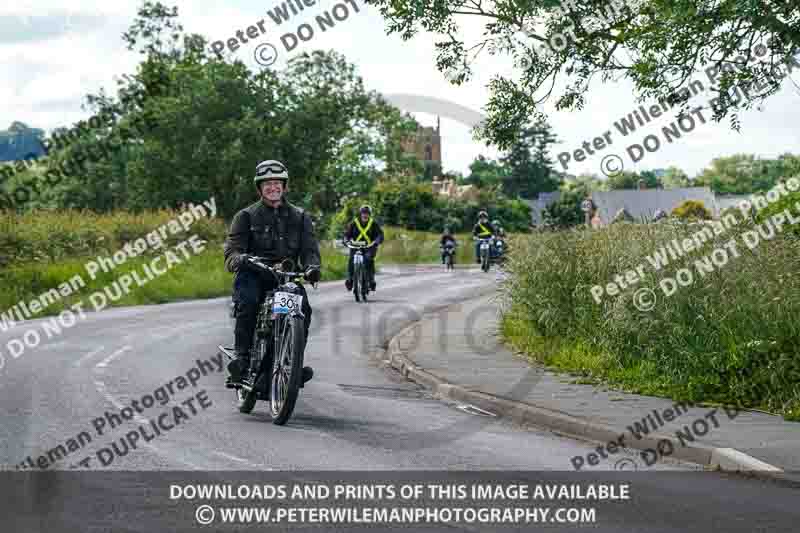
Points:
(659, 46)
(744, 174)
(200, 124)
(630, 180)
(530, 167)
(587, 181)
(566, 211)
(485, 173)
(675, 178)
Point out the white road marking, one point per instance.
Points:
(239, 459)
(475, 410)
(104, 362)
(101, 388)
(89, 356)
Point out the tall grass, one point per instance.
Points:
(43, 249)
(731, 336)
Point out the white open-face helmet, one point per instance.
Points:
(271, 170)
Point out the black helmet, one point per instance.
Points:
(365, 209)
(271, 170)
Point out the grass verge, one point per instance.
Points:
(730, 336)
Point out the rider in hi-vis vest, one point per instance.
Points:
(481, 230)
(364, 229)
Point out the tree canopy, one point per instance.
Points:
(190, 125)
(660, 46)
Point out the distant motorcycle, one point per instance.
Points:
(360, 273)
(499, 250)
(449, 252)
(485, 246)
(277, 378)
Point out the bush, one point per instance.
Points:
(566, 211)
(412, 205)
(692, 209)
(791, 202)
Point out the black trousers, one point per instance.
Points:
(249, 291)
(369, 262)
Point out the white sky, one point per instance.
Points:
(55, 52)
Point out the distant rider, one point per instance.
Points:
(364, 229)
(498, 229)
(481, 230)
(276, 230)
(447, 238)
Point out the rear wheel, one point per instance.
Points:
(287, 368)
(449, 261)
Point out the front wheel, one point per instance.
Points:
(357, 282)
(485, 261)
(364, 284)
(287, 369)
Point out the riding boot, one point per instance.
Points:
(243, 333)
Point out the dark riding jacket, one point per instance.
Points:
(275, 234)
(375, 233)
(477, 231)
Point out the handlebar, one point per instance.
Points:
(358, 245)
(261, 264)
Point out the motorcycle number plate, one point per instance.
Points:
(285, 302)
(484, 246)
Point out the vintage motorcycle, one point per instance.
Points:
(276, 355)
(449, 252)
(499, 254)
(485, 248)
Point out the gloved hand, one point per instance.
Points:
(242, 261)
(313, 274)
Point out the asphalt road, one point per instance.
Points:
(354, 415)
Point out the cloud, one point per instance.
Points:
(33, 27)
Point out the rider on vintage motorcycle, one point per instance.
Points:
(499, 248)
(276, 230)
(447, 238)
(481, 230)
(367, 231)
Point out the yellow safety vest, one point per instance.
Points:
(362, 232)
(484, 232)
